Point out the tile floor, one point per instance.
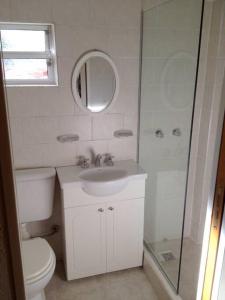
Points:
(130, 284)
(189, 265)
(190, 269)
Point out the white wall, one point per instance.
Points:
(207, 121)
(148, 4)
(39, 114)
(193, 177)
(207, 130)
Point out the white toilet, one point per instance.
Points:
(35, 193)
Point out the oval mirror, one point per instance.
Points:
(95, 82)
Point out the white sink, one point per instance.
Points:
(103, 181)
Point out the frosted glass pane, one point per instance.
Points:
(26, 69)
(23, 40)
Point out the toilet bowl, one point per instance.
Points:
(38, 266)
(35, 196)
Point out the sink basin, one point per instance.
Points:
(103, 181)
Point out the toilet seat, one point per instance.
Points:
(38, 259)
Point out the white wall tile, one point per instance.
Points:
(128, 70)
(31, 10)
(95, 38)
(39, 130)
(90, 149)
(131, 122)
(64, 35)
(123, 148)
(69, 12)
(126, 13)
(124, 42)
(16, 131)
(222, 47)
(22, 103)
(220, 70)
(37, 155)
(56, 101)
(61, 154)
(80, 125)
(127, 100)
(100, 12)
(28, 156)
(65, 69)
(5, 11)
(115, 13)
(104, 126)
(40, 101)
(40, 114)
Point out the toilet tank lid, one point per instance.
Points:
(34, 174)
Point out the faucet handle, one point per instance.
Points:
(83, 162)
(109, 159)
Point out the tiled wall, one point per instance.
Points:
(39, 114)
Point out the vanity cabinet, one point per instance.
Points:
(124, 232)
(104, 237)
(85, 235)
(102, 234)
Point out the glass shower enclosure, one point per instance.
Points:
(170, 51)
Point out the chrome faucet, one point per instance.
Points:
(98, 162)
(109, 159)
(83, 162)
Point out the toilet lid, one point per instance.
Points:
(37, 257)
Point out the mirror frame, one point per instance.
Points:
(76, 72)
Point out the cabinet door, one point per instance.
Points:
(85, 238)
(125, 220)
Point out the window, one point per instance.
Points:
(29, 54)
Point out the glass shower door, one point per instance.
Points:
(171, 31)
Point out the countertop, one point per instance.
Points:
(69, 176)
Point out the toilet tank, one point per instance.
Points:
(35, 193)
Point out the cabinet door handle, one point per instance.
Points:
(110, 208)
(100, 209)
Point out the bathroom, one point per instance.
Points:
(156, 132)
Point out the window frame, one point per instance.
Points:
(49, 54)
